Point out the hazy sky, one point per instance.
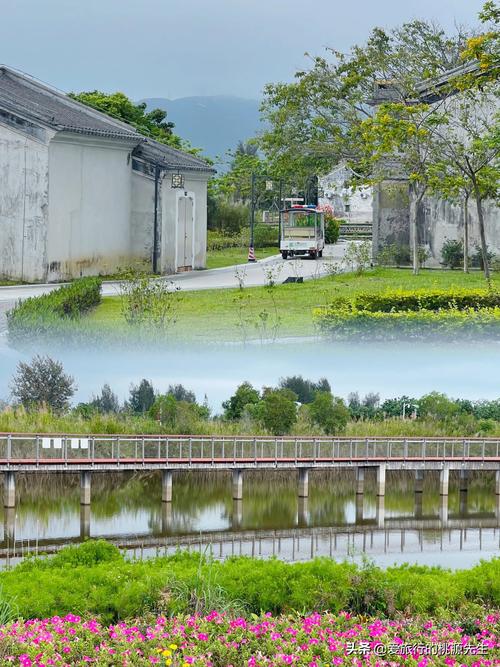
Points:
(176, 48)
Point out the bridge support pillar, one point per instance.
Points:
(166, 486)
(418, 505)
(443, 509)
(360, 481)
(419, 481)
(303, 512)
(237, 484)
(380, 514)
(464, 481)
(303, 482)
(497, 482)
(85, 487)
(444, 481)
(359, 507)
(166, 517)
(237, 513)
(381, 480)
(84, 521)
(9, 489)
(9, 526)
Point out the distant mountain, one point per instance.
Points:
(215, 123)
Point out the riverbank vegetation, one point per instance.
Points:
(103, 582)
(41, 394)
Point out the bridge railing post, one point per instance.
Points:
(9, 448)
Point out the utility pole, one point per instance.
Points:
(251, 250)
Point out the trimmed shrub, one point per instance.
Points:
(434, 300)
(452, 253)
(38, 316)
(265, 236)
(469, 323)
(332, 229)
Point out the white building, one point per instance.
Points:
(84, 194)
(355, 205)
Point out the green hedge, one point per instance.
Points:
(469, 323)
(95, 578)
(265, 236)
(401, 300)
(332, 229)
(38, 316)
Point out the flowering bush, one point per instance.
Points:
(216, 640)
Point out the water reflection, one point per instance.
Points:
(404, 525)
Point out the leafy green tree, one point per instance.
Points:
(141, 397)
(277, 410)
(106, 402)
(466, 155)
(329, 412)
(178, 416)
(42, 383)
(180, 393)
(152, 124)
(315, 121)
(304, 389)
(244, 395)
(393, 407)
(438, 406)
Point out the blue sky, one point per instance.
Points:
(176, 48)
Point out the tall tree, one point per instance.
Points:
(42, 382)
(152, 124)
(313, 122)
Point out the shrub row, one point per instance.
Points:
(94, 578)
(37, 316)
(402, 300)
(349, 323)
(265, 235)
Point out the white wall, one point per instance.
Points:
(89, 206)
(441, 220)
(142, 220)
(23, 203)
(337, 195)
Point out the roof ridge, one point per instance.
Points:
(66, 99)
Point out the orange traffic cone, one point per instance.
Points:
(251, 255)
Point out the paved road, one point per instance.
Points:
(252, 275)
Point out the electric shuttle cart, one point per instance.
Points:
(302, 232)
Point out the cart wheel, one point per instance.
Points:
(284, 254)
(320, 253)
(313, 254)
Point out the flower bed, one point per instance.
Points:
(216, 640)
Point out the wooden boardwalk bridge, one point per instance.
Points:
(88, 455)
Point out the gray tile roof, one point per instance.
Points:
(170, 158)
(35, 101)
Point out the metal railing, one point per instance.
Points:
(231, 450)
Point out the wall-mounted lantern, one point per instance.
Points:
(177, 181)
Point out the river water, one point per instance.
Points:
(271, 520)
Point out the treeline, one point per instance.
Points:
(42, 391)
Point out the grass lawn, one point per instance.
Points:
(229, 256)
(231, 314)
